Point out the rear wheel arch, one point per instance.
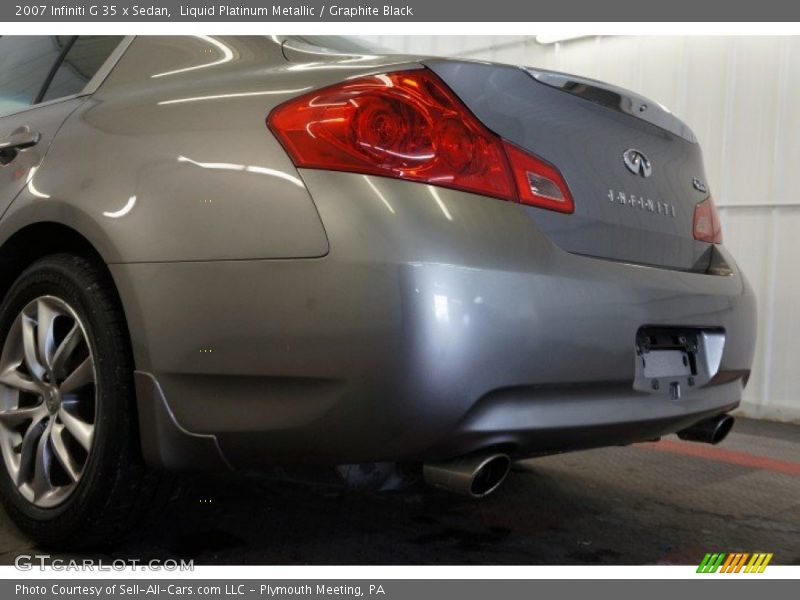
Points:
(37, 240)
(33, 242)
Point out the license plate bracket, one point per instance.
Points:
(671, 360)
(667, 363)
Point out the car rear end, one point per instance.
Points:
(551, 250)
(502, 261)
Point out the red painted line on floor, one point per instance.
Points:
(733, 457)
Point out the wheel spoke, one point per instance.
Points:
(29, 347)
(81, 376)
(28, 452)
(45, 317)
(12, 418)
(41, 469)
(17, 381)
(66, 348)
(81, 431)
(61, 452)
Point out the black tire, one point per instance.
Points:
(115, 487)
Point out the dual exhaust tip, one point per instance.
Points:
(474, 475)
(708, 431)
(478, 475)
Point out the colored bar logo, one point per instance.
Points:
(738, 562)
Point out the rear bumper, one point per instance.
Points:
(440, 322)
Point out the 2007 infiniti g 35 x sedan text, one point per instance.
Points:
(239, 252)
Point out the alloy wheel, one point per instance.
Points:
(48, 401)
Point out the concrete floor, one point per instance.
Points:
(666, 503)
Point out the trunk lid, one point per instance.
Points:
(635, 171)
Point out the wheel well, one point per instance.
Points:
(36, 241)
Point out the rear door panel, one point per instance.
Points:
(18, 168)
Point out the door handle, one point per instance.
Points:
(20, 140)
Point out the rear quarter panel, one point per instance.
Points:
(171, 159)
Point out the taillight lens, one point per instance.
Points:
(707, 226)
(538, 183)
(410, 125)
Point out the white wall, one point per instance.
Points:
(741, 96)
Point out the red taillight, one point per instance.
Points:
(707, 227)
(411, 126)
(538, 183)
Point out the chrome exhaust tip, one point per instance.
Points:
(708, 431)
(474, 475)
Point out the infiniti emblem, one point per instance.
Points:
(637, 162)
(699, 185)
